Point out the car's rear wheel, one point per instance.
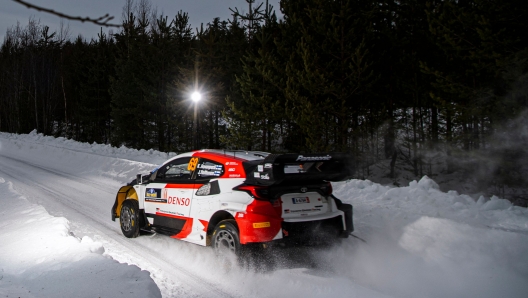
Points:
(130, 219)
(226, 239)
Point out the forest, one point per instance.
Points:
(421, 87)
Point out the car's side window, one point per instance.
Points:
(177, 169)
(208, 169)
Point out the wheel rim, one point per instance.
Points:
(225, 242)
(126, 219)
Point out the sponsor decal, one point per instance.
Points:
(259, 225)
(256, 174)
(169, 212)
(155, 200)
(260, 168)
(304, 189)
(209, 173)
(153, 193)
(231, 170)
(268, 166)
(234, 175)
(192, 164)
(286, 210)
(313, 158)
(179, 201)
(264, 177)
(206, 167)
(231, 163)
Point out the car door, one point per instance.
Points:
(205, 199)
(168, 197)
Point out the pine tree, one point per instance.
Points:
(259, 107)
(129, 111)
(327, 66)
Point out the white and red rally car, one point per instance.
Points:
(230, 199)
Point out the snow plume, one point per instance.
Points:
(433, 257)
(501, 167)
(511, 143)
(422, 242)
(498, 167)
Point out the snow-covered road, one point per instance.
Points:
(421, 242)
(85, 200)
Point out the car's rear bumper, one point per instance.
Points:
(313, 232)
(256, 228)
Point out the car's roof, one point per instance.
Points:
(224, 154)
(247, 155)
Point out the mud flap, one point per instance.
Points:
(114, 210)
(348, 211)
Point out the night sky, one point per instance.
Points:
(200, 11)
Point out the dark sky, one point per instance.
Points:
(200, 11)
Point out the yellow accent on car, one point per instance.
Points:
(125, 192)
(258, 225)
(222, 226)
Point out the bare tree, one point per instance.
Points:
(102, 21)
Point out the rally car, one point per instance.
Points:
(234, 199)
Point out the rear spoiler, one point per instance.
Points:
(292, 167)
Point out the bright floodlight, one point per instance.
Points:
(196, 96)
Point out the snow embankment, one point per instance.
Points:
(39, 257)
(423, 242)
(423, 198)
(39, 140)
(81, 159)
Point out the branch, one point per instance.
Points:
(102, 21)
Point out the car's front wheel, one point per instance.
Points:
(226, 240)
(130, 219)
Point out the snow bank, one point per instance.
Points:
(148, 156)
(82, 159)
(422, 242)
(423, 198)
(40, 258)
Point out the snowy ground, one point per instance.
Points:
(57, 238)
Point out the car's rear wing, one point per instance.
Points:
(292, 167)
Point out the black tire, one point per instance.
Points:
(226, 239)
(130, 218)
